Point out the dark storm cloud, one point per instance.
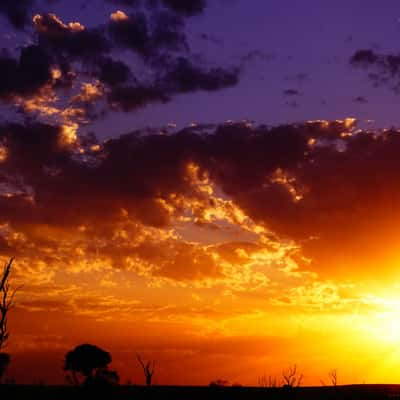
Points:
(186, 7)
(16, 11)
(112, 72)
(30, 147)
(25, 75)
(157, 40)
(132, 33)
(146, 35)
(185, 77)
(181, 77)
(364, 57)
(385, 67)
(133, 97)
(333, 191)
(147, 167)
(155, 31)
(70, 40)
(168, 32)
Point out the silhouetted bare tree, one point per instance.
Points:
(267, 381)
(291, 377)
(148, 369)
(6, 303)
(333, 377)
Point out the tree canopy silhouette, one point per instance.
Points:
(86, 360)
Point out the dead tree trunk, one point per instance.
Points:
(148, 369)
(291, 377)
(6, 302)
(334, 377)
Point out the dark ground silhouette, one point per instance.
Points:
(351, 392)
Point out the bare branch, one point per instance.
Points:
(333, 377)
(267, 381)
(148, 369)
(291, 377)
(6, 273)
(140, 361)
(6, 302)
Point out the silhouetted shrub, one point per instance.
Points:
(105, 377)
(219, 383)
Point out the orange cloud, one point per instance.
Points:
(52, 25)
(185, 234)
(118, 16)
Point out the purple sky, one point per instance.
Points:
(282, 45)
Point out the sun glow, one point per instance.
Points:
(389, 327)
(384, 324)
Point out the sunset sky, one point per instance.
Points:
(211, 184)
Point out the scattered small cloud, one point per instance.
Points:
(360, 100)
(385, 67)
(291, 92)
